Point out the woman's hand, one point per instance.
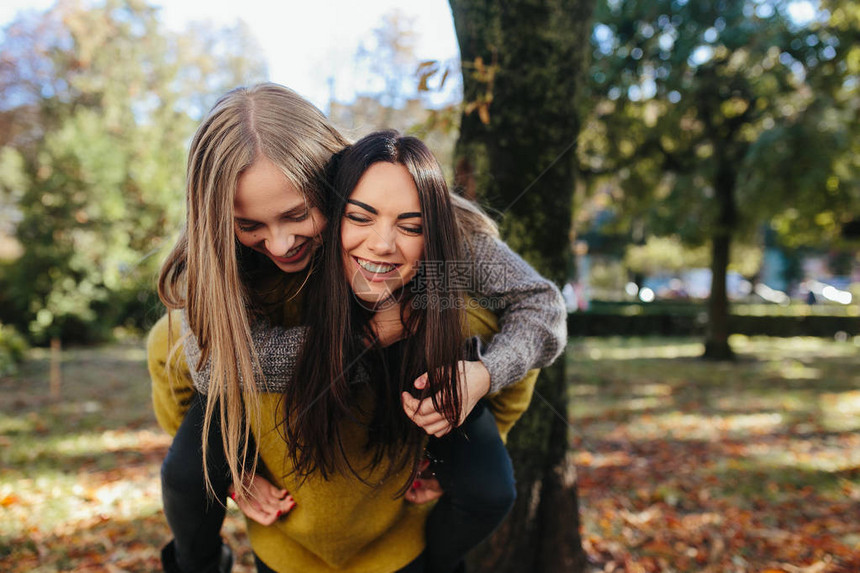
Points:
(473, 380)
(426, 487)
(424, 490)
(265, 503)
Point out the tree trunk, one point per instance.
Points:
(717, 341)
(522, 60)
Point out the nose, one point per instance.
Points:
(279, 241)
(382, 240)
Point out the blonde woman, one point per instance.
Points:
(254, 198)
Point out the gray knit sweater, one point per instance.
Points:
(531, 311)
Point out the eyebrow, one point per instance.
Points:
(298, 209)
(366, 207)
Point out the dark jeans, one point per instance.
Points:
(194, 516)
(474, 469)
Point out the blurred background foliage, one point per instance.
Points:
(728, 125)
(98, 106)
(719, 136)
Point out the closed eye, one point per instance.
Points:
(357, 217)
(297, 217)
(248, 227)
(412, 229)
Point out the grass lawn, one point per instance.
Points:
(683, 465)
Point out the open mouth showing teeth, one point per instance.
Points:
(379, 268)
(293, 252)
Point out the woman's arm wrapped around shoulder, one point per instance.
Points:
(531, 333)
(531, 311)
(277, 349)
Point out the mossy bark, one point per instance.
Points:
(522, 62)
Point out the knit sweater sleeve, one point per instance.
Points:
(278, 349)
(531, 311)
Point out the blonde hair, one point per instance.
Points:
(471, 218)
(203, 273)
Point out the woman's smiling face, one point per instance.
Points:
(272, 217)
(382, 235)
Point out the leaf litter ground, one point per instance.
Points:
(689, 465)
(683, 465)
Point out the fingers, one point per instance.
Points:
(424, 490)
(474, 382)
(421, 382)
(286, 505)
(425, 416)
(415, 407)
(265, 502)
(433, 423)
(265, 492)
(410, 404)
(265, 514)
(438, 429)
(278, 506)
(270, 494)
(254, 511)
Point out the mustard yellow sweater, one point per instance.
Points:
(341, 524)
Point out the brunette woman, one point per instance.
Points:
(231, 160)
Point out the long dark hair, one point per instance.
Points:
(340, 339)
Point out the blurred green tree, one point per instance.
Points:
(522, 65)
(99, 102)
(715, 117)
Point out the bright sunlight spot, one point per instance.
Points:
(701, 427)
(624, 352)
(802, 12)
